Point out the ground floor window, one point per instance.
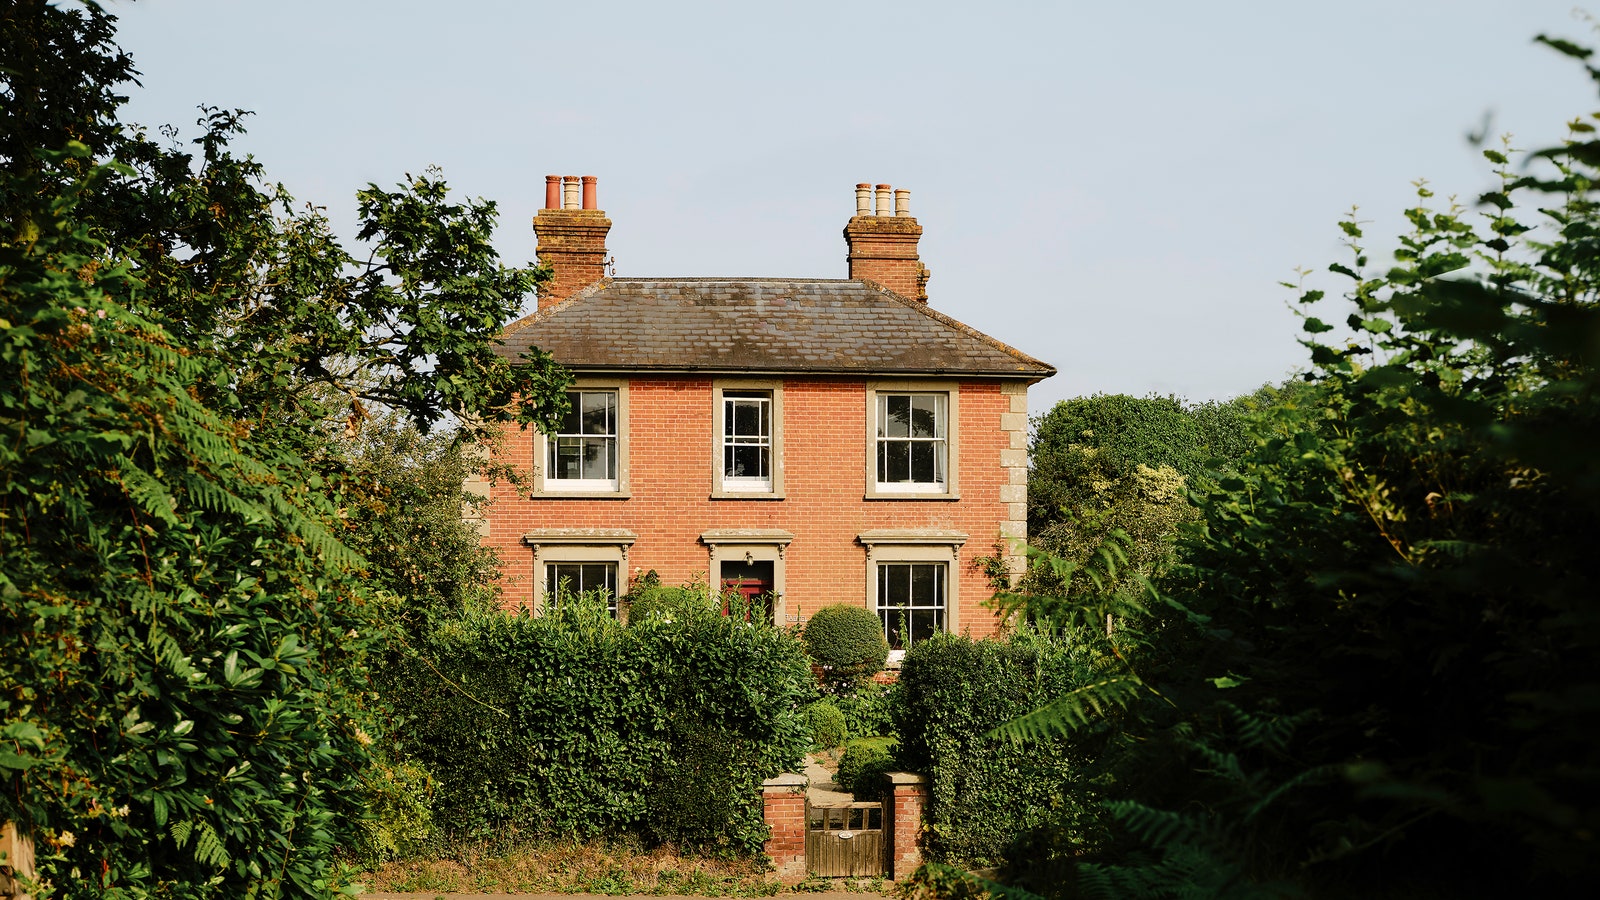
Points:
(568, 579)
(911, 601)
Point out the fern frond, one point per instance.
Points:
(1072, 710)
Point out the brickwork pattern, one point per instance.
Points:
(573, 243)
(884, 249)
(783, 802)
(825, 470)
(905, 825)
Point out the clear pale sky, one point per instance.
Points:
(1114, 187)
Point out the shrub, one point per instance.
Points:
(846, 641)
(864, 763)
(650, 599)
(986, 792)
(398, 823)
(573, 724)
(826, 724)
(866, 710)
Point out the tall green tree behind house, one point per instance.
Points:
(1374, 672)
(1111, 464)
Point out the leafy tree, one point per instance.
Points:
(1112, 464)
(191, 372)
(182, 632)
(1374, 673)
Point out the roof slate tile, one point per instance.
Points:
(760, 325)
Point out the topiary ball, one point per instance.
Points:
(846, 641)
(826, 724)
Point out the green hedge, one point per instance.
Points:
(864, 763)
(985, 794)
(574, 724)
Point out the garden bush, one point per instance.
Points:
(649, 599)
(985, 793)
(846, 641)
(826, 724)
(572, 723)
(863, 765)
(866, 710)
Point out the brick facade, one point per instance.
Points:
(669, 505)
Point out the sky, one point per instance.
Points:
(1117, 188)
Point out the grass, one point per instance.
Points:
(568, 867)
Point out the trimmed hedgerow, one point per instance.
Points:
(864, 763)
(986, 793)
(846, 641)
(572, 723)
(826, 724)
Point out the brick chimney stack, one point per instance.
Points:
(882, 237)
(572, 237)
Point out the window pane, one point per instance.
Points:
(894, 461)
(922, 470)
(596, 458)
(568, 453)
(923, 625)
(570, 422)
(749, 418)
(747, 462)
(893, 630)
(897, 591)
(597, 412)
(896, 421)
(925, 585)
(924, 415)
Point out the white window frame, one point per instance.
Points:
(889, 546)
(950, 488)
(724, 487)
(545, 482)
(575, 545)
(615, 571)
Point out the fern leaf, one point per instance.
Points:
(1072, 710)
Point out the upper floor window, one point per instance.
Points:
(912, 442)
(583, 454)
(747, 440)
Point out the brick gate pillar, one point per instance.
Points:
(908, 794)
(783, 804)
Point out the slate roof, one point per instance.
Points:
(760, 325)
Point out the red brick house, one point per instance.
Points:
(822, 440)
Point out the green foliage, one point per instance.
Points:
(1377, 660)
(187, 357)
(649, 599)
(864, 764)
(985, 790)
(401, 498)
(846, 641)
(399, 821)
(1114, 464)
(572, 723)
(181, 626)
(825, 723)
(867, 710)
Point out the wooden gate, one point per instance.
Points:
(844, 839)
